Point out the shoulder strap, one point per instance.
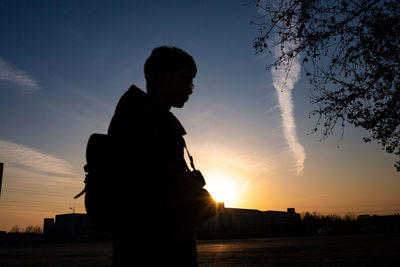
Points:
(190, 157)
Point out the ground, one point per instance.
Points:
(366, 250)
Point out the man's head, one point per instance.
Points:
(169, 73)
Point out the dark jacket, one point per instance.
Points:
(149, 204)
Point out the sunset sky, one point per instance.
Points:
(65, 64)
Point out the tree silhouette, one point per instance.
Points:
(16, 229)
(350, 51)
(33, 229)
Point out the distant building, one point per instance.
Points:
(66, 225)
(49, 226)
(229, 222)
(233, 222)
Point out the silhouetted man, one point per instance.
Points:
(154, 214)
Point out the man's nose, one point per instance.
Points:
(191, 88)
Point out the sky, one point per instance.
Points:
(65, 64)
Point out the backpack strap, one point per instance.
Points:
(86, 168)
(81, 193)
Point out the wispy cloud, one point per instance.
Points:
(30, 159)
(283, 83)
(12, 74)
(245, 186)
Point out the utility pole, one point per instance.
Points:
(73, 222)
(1, 175)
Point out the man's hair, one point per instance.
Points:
(167, 58)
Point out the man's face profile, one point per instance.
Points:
(178, 86)
(169, 73)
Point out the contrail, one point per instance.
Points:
(30, 159)
(283, 83)
(12, 74)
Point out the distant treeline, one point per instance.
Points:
(29, 229)
(315, 223)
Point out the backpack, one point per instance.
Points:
(98, 189)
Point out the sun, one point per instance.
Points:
(223, 189)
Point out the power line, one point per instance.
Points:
(37, 192)
(36, 208)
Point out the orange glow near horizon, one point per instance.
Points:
(225, 188)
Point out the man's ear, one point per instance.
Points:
(164, 76)
(163, 82)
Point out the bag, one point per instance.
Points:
(98, 188)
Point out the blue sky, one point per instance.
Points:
(65, 64)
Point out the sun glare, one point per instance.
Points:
(223, 189)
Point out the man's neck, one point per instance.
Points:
(160, 100)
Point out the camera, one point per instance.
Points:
(198, 177)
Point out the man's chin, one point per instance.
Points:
(180, 104)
